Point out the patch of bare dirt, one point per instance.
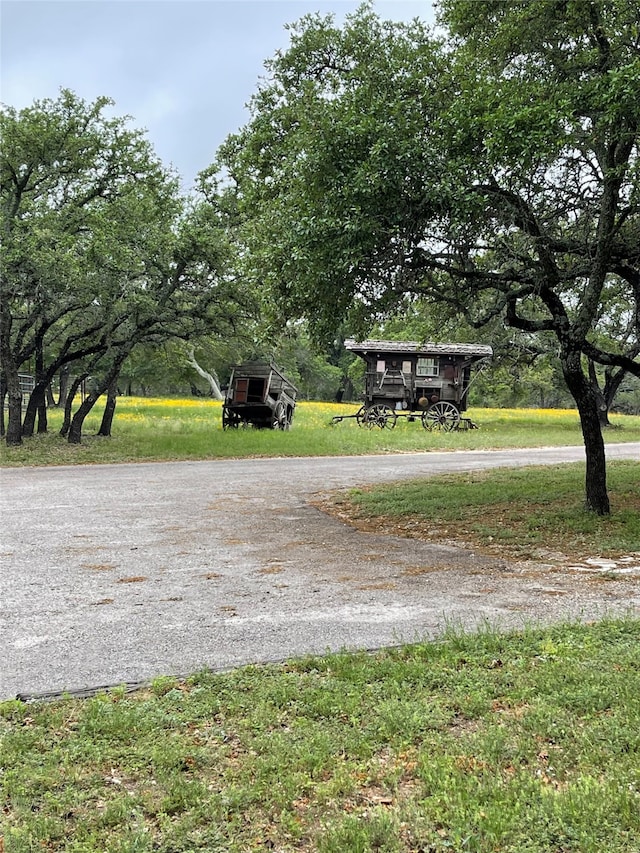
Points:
(527, 560)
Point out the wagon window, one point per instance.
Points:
(406, 367)
(380, 367)
(427, 367)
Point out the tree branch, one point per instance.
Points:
(612, 359)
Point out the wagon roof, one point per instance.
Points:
(425, 348)
(259, 368)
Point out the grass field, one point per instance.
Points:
(148, 429)
(519, 743)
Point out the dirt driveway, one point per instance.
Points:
(119, 573)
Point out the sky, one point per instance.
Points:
(184, 70)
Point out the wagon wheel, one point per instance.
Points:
(381, 416)
(442, 415)
(280, 419)
(230, 419)
(360, 416)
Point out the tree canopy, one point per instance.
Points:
(493, 168)
(101, 252)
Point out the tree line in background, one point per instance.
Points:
(101, 255)
(519, 375)
(479, 182)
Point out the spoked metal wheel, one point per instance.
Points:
(442, 415)
(380, 416)
(280, 418)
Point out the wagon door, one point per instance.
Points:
(240, 391)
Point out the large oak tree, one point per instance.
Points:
(494, 167)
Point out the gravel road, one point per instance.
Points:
(118, 573)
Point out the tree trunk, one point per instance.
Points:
(13, 434)
(612, 381)
(64, 378)
(33, 407)
(42, 416)
(3, 397)
(216, 393)
(601, 402)
(37, 405)
(75, 428)
(110, 377)
(582, 391)
(40, 377)
(109, 409)
(68, 403)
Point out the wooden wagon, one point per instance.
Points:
(424, 381)
(258, 395)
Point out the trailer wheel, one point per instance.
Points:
(280, 418)
(380, 416)
(442, 415)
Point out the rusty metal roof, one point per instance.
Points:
(425, 348)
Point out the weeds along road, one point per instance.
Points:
(119, 573)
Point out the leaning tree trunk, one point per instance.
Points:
(75, 428)
(109, 409)
(596, 496)
(68, 403)
(111, 376)
(35, 404)
(36, 408)
(214, 385)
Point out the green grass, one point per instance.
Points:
(518, 511)
(525, 742)
(164, 429)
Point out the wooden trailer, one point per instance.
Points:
(258, 395)
(424, 381)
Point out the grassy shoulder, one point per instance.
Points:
(147, 429)
(523, 513)
(482, 742)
